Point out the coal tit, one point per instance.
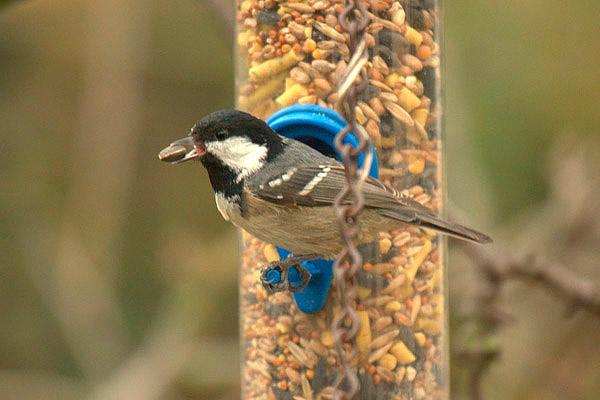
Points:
(281, 190)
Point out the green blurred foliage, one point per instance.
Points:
(527, 73)
(93, 278)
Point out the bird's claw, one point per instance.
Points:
(304, 279)
(274, 284)
(275, 277)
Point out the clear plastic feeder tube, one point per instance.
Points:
(291, 52)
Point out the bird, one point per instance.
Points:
(281, 191)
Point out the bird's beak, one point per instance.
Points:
(177, 152)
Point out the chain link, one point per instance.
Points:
(350, 201)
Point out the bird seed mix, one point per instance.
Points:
(291, 52)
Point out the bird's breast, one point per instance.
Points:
(229, 207)
(302, 230)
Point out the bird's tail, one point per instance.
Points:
(416, 214)
(452, 229)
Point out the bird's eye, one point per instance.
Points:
(222, 134)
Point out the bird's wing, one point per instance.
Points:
(318, 185)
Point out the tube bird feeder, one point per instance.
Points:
(289, 57)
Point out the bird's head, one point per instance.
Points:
(227, 139)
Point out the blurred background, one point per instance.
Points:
(118, 276)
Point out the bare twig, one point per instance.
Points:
(578, 292)
(478, 361)
(497, 267)
(568, 223)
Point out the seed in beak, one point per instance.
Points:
(172, 153)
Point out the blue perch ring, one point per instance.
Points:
(315, 126)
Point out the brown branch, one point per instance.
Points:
(497, 268)
(578, 292)
(478, 363)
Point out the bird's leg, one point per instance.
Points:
(275, 275)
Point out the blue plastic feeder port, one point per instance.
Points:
(316, 126)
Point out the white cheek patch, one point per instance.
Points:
(240, 154)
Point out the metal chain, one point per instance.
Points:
(350, 201)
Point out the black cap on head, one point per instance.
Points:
(222, 124)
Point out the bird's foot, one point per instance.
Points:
(286, 274)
